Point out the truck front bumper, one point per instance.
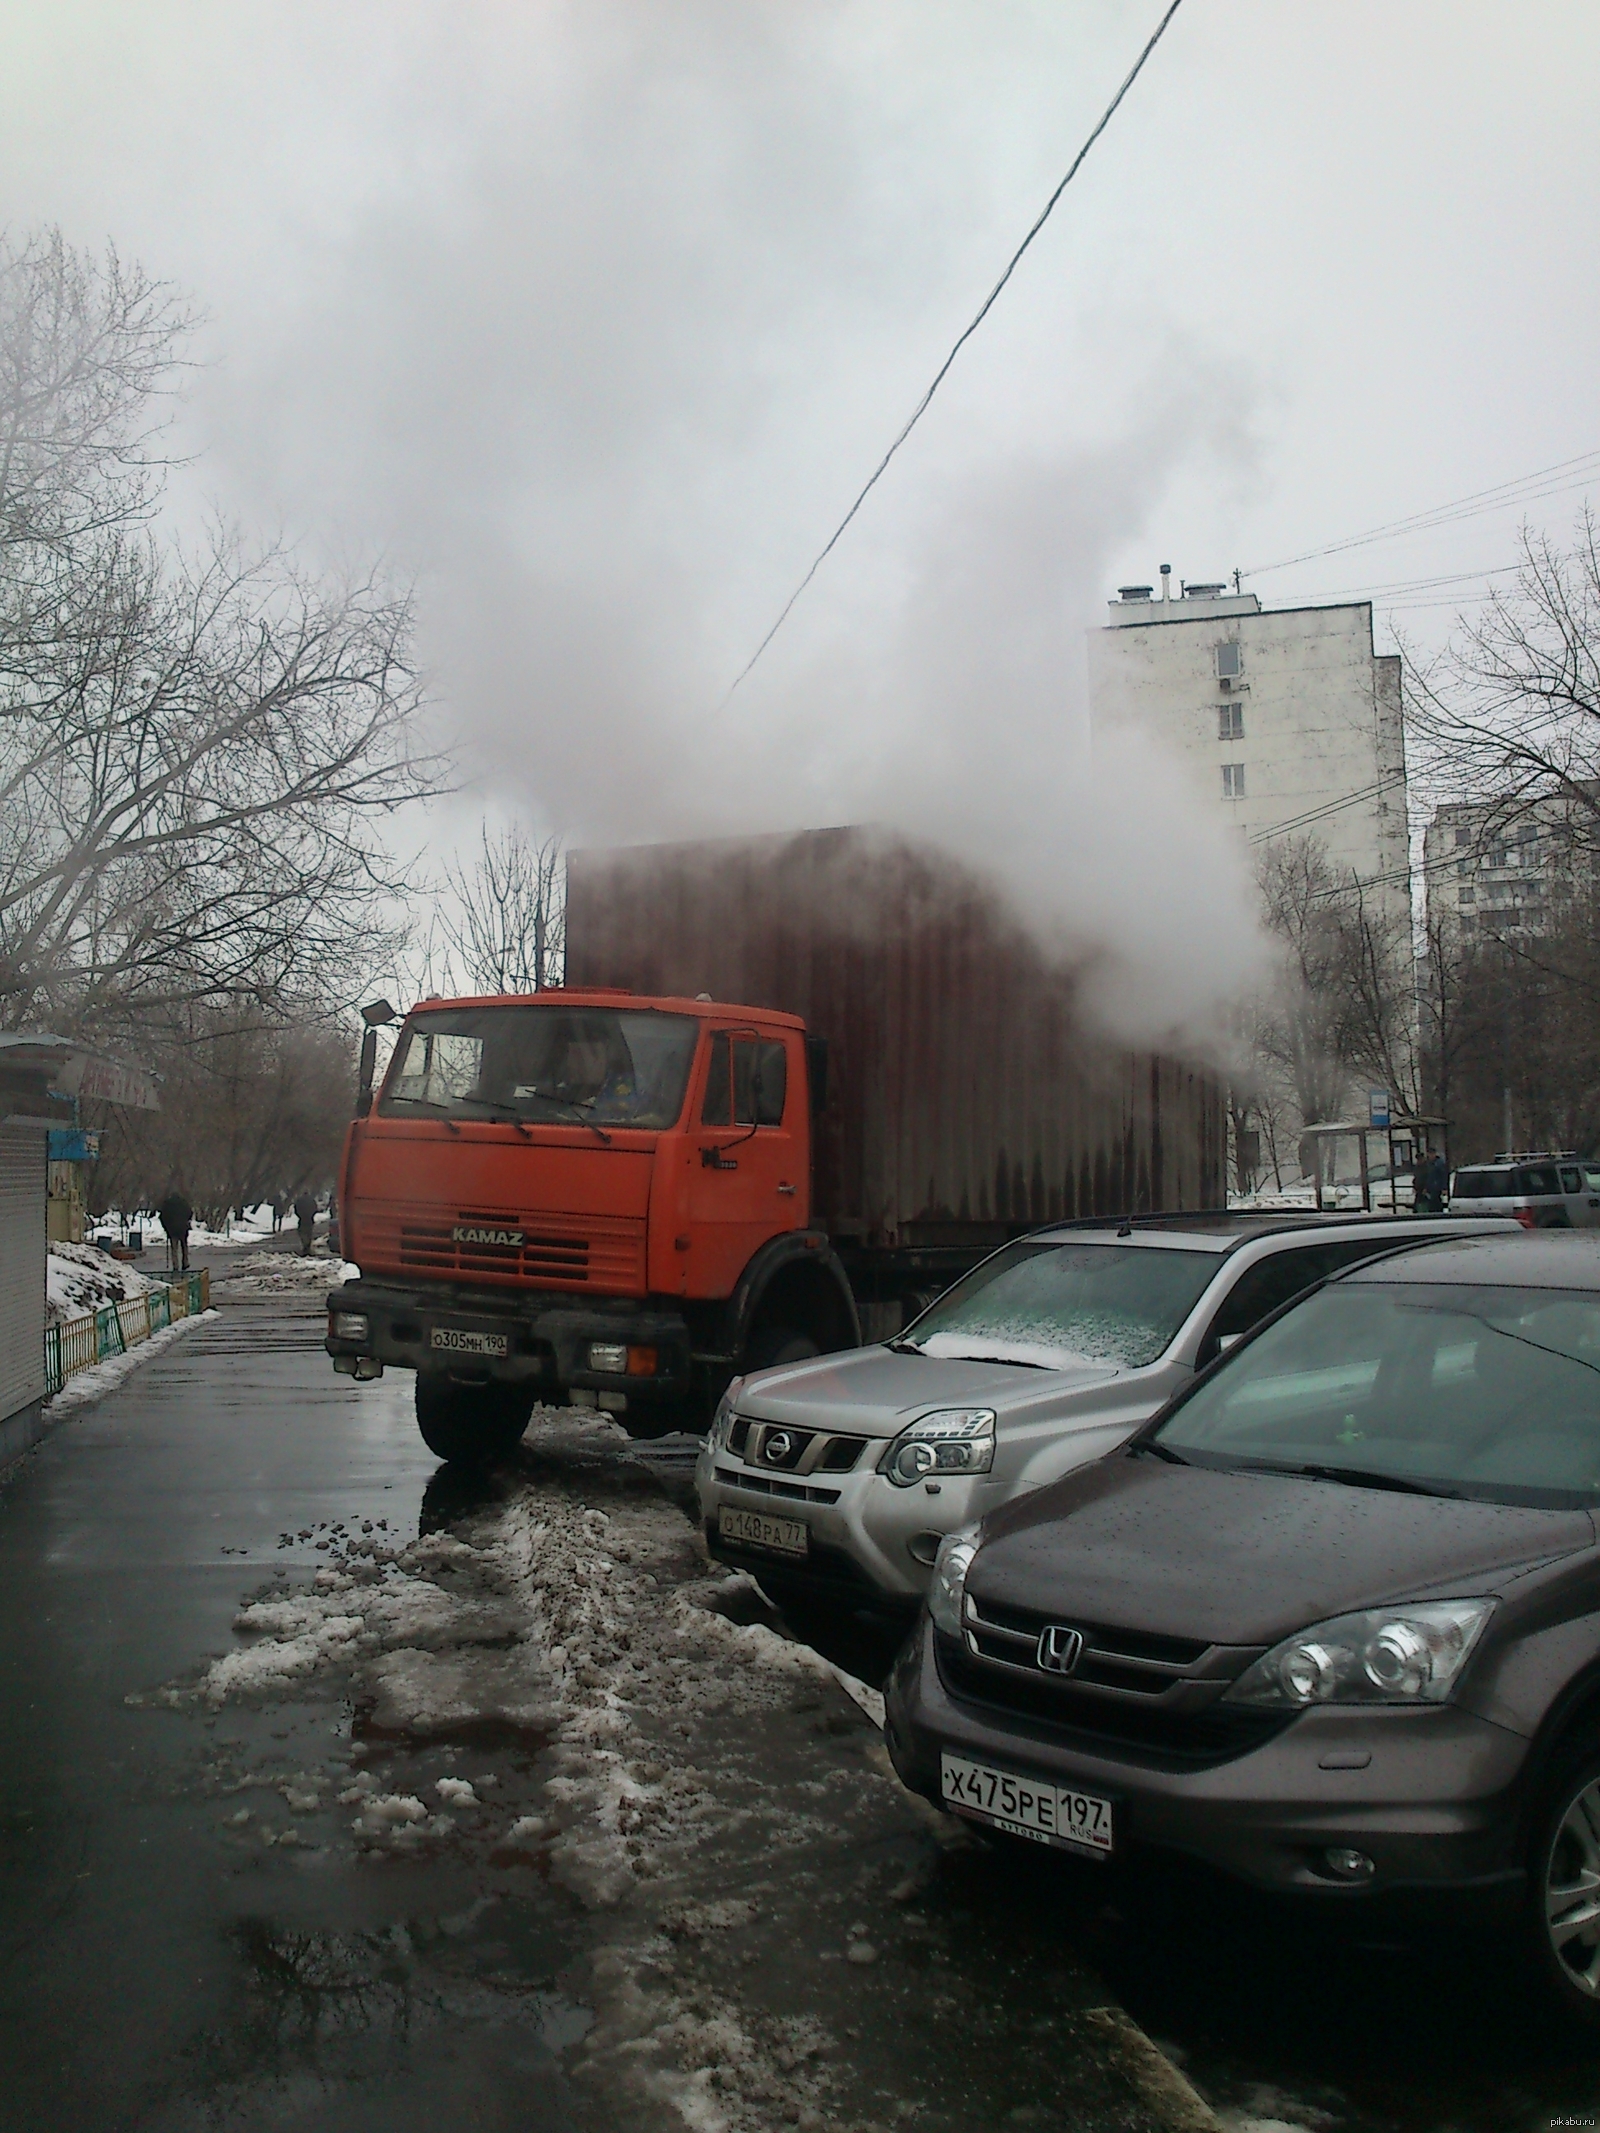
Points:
(534, 1339)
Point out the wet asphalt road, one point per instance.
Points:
(161, 1970)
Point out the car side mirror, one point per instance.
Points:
(369, 1064)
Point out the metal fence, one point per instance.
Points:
(74, 1344)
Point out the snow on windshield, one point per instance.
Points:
(1057, 1303)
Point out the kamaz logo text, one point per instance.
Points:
(463, 1235)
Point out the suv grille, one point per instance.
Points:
(773, 1448)
(1130, 1693)
(1139, 1732)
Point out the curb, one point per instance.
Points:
(1164, 2089)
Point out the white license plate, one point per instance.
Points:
(1026, 1807)
(459, 1342)
(754, 1529)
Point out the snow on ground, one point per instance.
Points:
(82, 1278)
(100, 1378)
(264, 1273)
(599, 1632)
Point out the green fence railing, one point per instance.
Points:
(74, 1344)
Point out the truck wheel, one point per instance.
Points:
(778, 1344)
(473, 1425)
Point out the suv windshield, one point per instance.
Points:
(1051, 1304)
(602, 1066)
(1485, 1392)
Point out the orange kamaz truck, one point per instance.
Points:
(792, 1087)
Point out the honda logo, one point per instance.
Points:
(1060, 1649)
(777, 1446)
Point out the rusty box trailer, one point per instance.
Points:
(967, 1099)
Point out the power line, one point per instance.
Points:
(1556, 480)
(984, 309)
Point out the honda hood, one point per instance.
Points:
(1239, 1558)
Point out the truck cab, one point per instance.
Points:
(585, 1196)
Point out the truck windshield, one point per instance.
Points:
(1055, 1304)
(595, 1065)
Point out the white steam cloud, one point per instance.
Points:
(622, 305)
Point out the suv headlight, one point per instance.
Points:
(722, 1421)
(947, 1589)
(957, 1440)
(1382, 1655)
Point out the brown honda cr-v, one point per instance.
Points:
(1330, 1621)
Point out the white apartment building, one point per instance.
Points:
(1289, 721)
(1492, 879)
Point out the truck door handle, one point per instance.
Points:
(790, 1189)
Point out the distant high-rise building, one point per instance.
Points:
(1288, 720)
(1495, 872)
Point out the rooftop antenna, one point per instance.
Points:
(1237, 587)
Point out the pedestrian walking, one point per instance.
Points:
(176, 1217)
(305, 1214)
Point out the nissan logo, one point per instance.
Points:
(777, 1446)
(1060, 1649)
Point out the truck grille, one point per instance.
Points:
(576, 1252)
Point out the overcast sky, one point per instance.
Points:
(595, 317)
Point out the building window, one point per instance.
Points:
(1233, 781)
(1230, 722)
(1463, 836)
(1469, 896)
(1230, 665)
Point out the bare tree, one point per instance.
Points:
(506, 931)
(1511, 710)
(194, 750)
(1302, 1028)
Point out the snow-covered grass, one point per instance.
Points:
(101, 1378)
(82, 1278)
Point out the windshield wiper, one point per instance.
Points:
(899, 1347)
(1157, 1450)
(547, 1096)
(1355, 1477)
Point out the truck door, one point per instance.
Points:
(749, 1176)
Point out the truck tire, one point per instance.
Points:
(778, 1344)
(470, 1425)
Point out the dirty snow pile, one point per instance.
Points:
(265, 1272)
(595, 1634)
(82, 1278)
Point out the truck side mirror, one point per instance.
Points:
(369, 1062)
(817, 1072)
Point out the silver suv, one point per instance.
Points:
(834, 1480)
(1539, 1191)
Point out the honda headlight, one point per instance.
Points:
(1382, 1655)
(722, 1421)
(956, 1440)
(948, 1587)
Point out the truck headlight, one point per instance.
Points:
(608, 1355)
(956, 1440)
(722, 1421)
(947, 1589)
(1381, 1655)
(350, 1325)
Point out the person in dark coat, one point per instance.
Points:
(305, 1214)
(176, 1217)
(1432, 1183)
